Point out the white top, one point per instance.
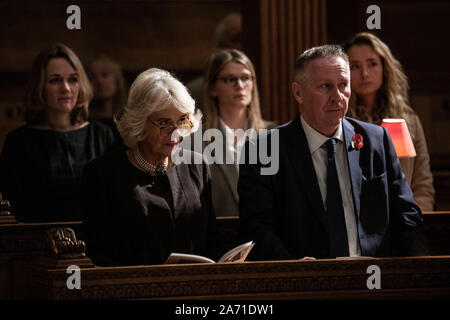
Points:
(234, 140)
(319, 156)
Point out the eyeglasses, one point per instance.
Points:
(166, 127)
(232, 80)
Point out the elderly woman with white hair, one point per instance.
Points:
(139, 204)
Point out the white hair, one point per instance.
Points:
(153, 90)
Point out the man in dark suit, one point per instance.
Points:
(339, 190)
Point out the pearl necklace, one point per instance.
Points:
(157, 170)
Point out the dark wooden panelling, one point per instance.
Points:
(170, 34)
(286, 28)
(415, 31)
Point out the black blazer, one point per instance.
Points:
(284, 214)
(125, 223)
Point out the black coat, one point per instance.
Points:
(40, 170)
(130, 218)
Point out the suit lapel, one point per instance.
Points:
(302, 162)
(353, 164)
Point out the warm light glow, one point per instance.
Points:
(398, 130)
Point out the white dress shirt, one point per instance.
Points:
(319, 156)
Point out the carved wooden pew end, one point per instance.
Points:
(63, 250)
(5, 212)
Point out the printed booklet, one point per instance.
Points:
(237, 254)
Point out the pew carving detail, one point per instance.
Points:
(5, 212)
(324, 279)
(63, 249)
(4, 207)
(63, 244)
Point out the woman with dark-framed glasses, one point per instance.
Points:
(230, 104)
(139, 205)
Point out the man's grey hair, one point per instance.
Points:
(325, 51)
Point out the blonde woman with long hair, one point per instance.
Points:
(109, 89)
(380, 90)
(230, 103)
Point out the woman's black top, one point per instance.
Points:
(40, 170)
(134, 218)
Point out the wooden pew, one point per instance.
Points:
(400, 278)
(20, 244)
(437, 231)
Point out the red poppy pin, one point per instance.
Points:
(357, 141)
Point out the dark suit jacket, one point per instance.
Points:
(126, 223)
(284, 213)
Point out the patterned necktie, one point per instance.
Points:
(335, 209)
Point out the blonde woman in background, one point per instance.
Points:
(231, 102)
(380, 90)
(109, 89)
